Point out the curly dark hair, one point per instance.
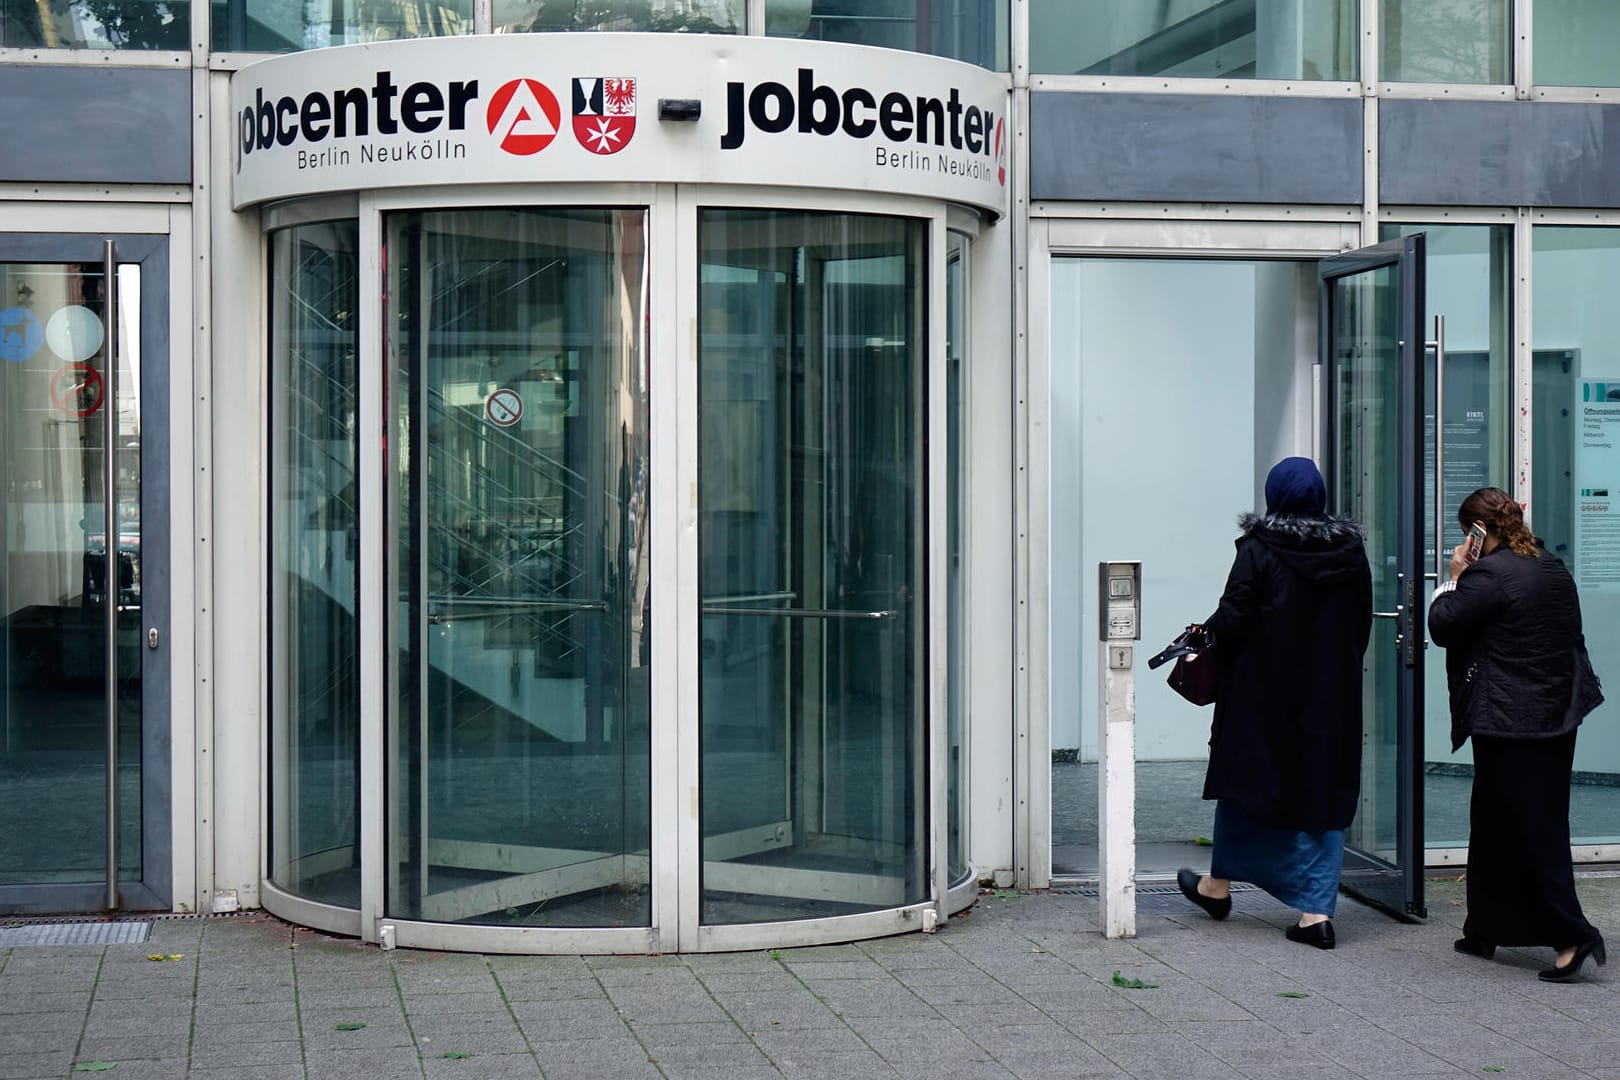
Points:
(1502, 516)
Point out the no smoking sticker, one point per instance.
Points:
(77, 390)
(504, 407)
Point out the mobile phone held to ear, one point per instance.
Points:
(1474, 543)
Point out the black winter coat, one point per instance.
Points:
(1516, 662)
(1290, 632)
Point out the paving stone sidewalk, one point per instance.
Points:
(1021, 986)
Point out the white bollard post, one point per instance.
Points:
(1119, 600)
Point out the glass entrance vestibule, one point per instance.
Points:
(621, 628)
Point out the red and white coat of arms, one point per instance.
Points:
(604, 113)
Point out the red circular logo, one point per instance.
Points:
(524, 115)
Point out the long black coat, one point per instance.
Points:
(1516, 661)
(1291, 629)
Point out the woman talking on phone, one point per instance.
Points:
(1520, 683)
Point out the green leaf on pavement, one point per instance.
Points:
(350, 1027)
(456, 1054)
(95, 1066)
(1293, 994)
(158, 956)
(1133, 984)
(1203, 841)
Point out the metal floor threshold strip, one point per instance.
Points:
(74, 933)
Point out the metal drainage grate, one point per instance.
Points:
(74, 933)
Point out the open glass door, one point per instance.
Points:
(1371, 313)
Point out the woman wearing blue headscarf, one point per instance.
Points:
(1285, 748)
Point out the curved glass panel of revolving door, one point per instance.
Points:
(811, 563)
(314, 553)
(518, 756)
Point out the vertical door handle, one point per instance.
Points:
(152, 638)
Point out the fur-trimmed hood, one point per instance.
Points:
(1318, 547)
(1321, 528)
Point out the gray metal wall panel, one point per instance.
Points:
(95, 125)
(1191, 148)
(1508, 153)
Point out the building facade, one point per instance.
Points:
(627, 475)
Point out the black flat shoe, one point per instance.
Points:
(1317, 934)
(1474, 947)
(1217, 909)
(1566, 972)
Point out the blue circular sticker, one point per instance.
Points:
(20, 335)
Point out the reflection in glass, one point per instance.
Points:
(1218, 39)
(314, 591)
(294, 25)
(1574, 42)
(811, 563)
(974, 31)
(674, 16)
(518, 746)
(1445, 41)
(95, 24)
(1365, 485)
(1469, 281)
(1575, 488)
(53, 535)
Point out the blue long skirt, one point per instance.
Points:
(1299, 868)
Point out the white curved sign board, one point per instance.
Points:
(587, 108)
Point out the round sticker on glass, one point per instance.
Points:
(504, 407)
(75, 333)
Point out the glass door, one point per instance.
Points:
(83, 574)
(811, 563)
(1371, 313)
(519, 559)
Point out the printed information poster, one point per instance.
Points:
(1468, 441)
(1597, 478)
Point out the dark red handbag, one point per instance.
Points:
(1194, 676)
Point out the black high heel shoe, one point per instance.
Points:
(1474, 947)
(1317, 934)
(1188, 881)
(1566, 972)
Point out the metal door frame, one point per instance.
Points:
(152, 891)
(1397, 887)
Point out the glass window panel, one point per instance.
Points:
(95, 24)
(1576, 484)
(54, 574)
(294, 25)
(1445, 41)
(971, 30)
(519, 784)
(314, 590)
(676, 16)
(1574, 42)
(1216, 39)
(811, 563)
(1469, 281)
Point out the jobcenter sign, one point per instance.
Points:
(585, 108)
